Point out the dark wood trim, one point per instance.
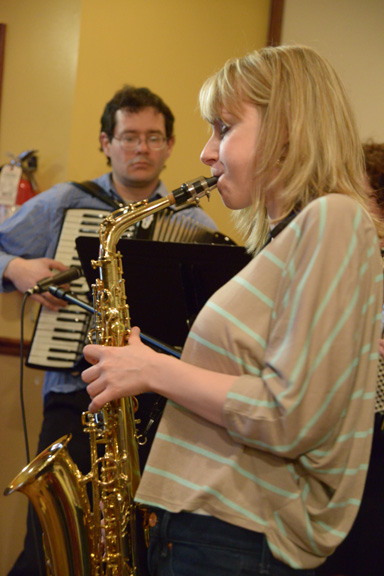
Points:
(2, 52)
(11, 347)
(275, 22)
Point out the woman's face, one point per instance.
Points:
(231, 154)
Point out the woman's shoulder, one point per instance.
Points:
(337, 210)
(330, 222)
(333, 202)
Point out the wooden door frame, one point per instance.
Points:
(275, 22)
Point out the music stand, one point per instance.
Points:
(167, 283)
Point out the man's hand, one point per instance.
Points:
(25, 274)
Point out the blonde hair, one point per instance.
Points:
(307, 130)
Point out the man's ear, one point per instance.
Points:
(171, 143)
(104, 143)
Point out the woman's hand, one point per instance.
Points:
(130, 370)
(119, 371)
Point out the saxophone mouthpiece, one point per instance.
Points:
(193, 190)
(212, 181)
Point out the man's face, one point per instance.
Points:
(141, 166)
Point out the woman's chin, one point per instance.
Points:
(228, 203)
(225, 200)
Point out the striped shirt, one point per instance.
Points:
(299, 325)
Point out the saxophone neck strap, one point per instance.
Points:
(279, 227)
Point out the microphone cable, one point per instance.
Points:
(21, 387)
(25, 431)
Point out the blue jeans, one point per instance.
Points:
(187, 544)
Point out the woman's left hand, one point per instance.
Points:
(131, 370)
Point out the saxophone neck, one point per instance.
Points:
(120, 220)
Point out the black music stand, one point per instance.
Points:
(167, 283)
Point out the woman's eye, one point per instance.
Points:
(223, 129)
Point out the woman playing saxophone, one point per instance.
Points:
(261, 453)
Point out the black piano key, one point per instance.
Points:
(74, 320)
(57, 359)
(63, 351)
(67, 311)
(68, 331)
(63, 339)
(94, 216)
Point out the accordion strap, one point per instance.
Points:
(97, 191)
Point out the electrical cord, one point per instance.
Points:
(25, 430)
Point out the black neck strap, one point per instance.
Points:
(97, 191)
(279, 227)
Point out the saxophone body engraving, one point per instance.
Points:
(79, 541)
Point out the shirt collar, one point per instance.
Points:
(159, 192)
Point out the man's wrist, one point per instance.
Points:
(8, 271)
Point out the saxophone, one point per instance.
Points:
(79, 541)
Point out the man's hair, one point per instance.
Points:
(374, 164)
(134, 99)
(308, 143)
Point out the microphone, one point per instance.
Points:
(56, 280)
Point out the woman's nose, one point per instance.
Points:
(209, 154)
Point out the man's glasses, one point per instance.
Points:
(130, 142)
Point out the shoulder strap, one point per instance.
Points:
(278, 228)
(97, 191)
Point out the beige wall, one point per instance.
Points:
(172, 52)
(350, 34)
(40, 67)
(37, 101)
(13, 508)
(63, 61)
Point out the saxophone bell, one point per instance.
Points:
(67, 519)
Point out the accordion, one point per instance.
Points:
(59, 337)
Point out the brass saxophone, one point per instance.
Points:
(79, 541)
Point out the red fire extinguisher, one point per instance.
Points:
(17, 183)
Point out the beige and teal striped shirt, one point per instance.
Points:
(299, 325)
